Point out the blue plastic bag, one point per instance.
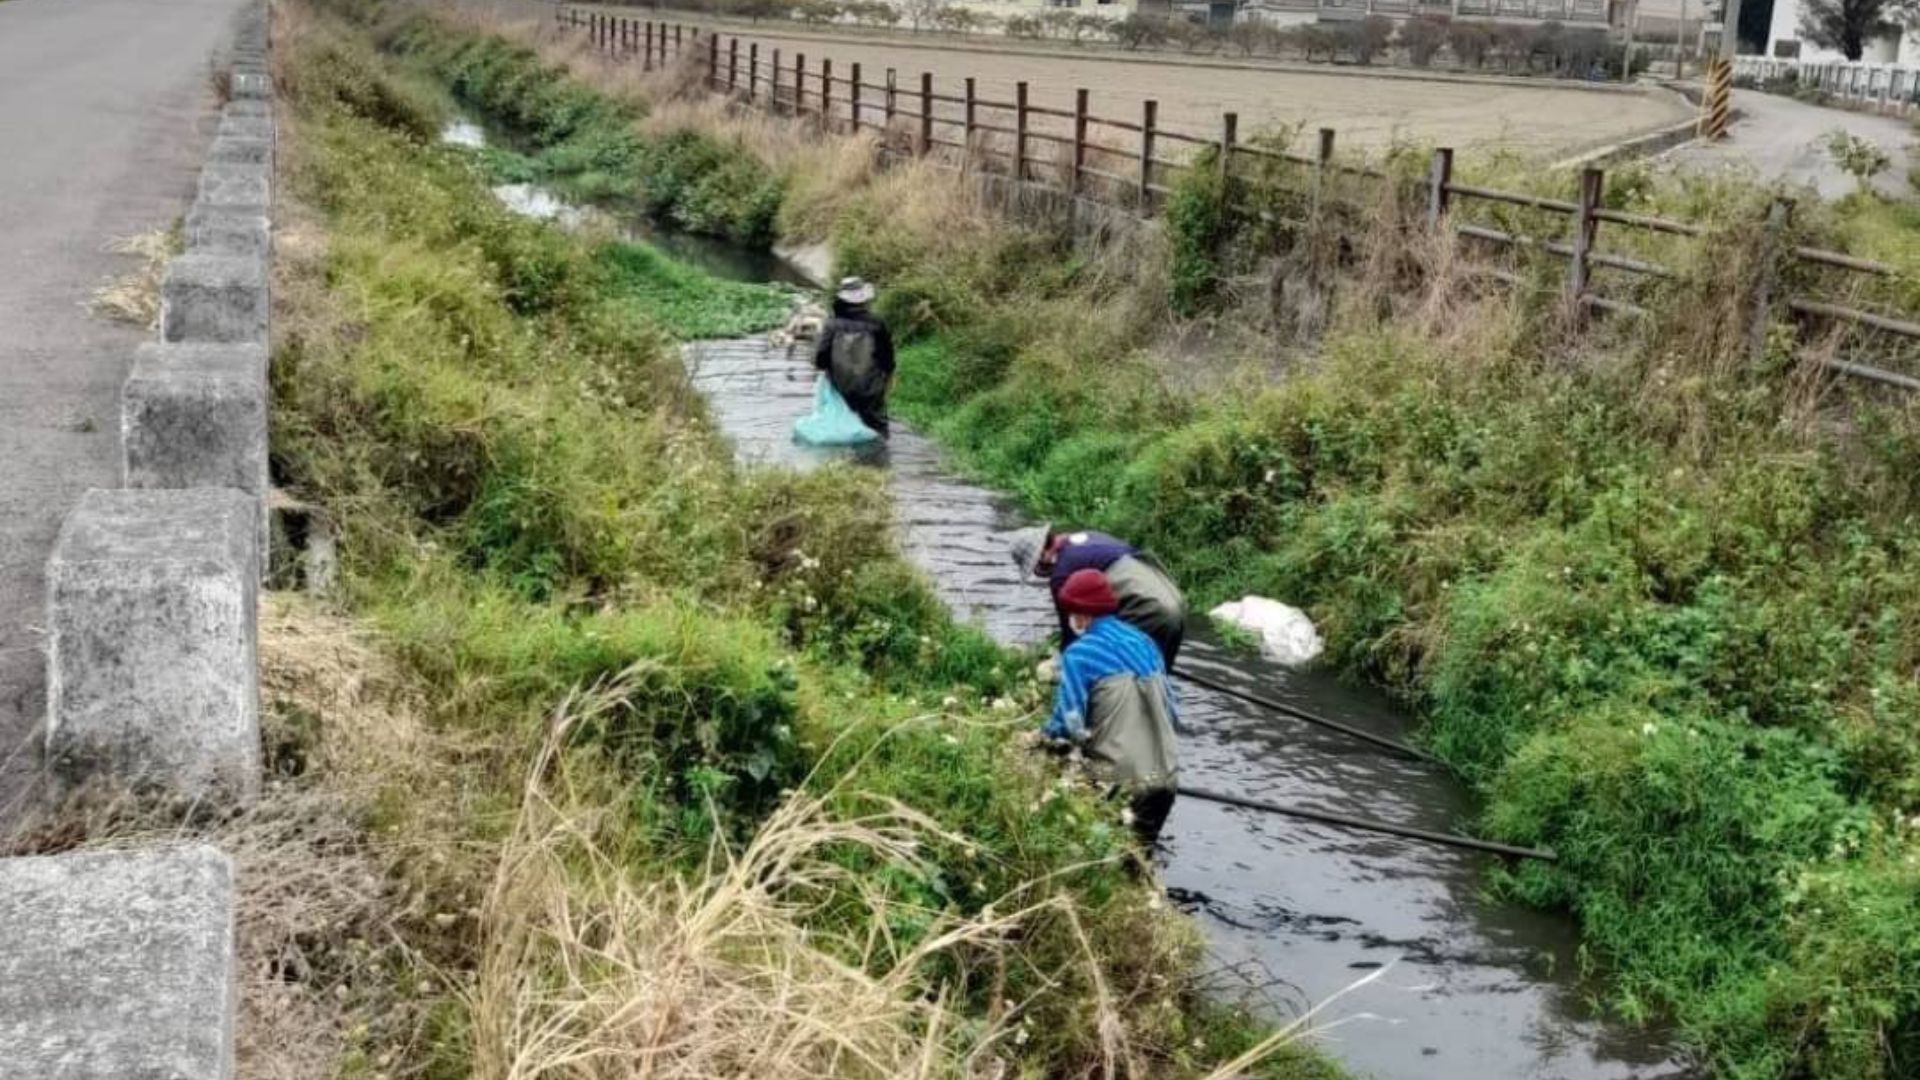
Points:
(831, 423)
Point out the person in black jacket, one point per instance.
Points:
(855, 350)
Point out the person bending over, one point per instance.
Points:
(1114, 703)
(1148, 597)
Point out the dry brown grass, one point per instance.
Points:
(589, 972)
(319, 914)
(134, 297)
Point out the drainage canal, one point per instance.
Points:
(1478, 989)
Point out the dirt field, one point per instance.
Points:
(1536, 118)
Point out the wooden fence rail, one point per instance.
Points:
(1063, 148)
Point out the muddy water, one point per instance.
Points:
(1474, 989)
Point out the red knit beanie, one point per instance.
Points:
(1087, 592)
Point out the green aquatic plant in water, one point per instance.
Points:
(685, 301)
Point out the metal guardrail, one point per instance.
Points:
(1889, 88)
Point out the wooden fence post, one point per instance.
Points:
(1229, 136)
(970, 116)
(826, 94)
(926, 113)
(799, 84)
(1439, 186)
(753, 70)
(733, 62)
(646, 57)
(891, 90)
(1778, 215)
(1322, 162)
(1079, 142)
(1020, 131)
(853, 98)
(1149, 112)
(678, 42)
(773, 86)
(1585, 228)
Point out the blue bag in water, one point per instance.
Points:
(831, 423)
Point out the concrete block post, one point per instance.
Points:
(247, 127)
(214, 298)
(151, 672)
(234, 150)
(117, 964)
(225, 186)
(251, 86)
(228, 232)
(195, 416)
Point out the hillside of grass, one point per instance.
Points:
(707, 781)
(1651, 592)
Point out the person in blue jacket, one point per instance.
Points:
(1114, 703)
(1149, 599)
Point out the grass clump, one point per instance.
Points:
(693, 788)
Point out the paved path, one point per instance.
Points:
(105, 110)
(1784, 139)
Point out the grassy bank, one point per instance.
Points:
(704, 782)
(1651, 593)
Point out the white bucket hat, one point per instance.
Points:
(854, 290)
(1026, 546)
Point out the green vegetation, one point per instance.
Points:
(630, 650)
(1645, 609)
(587, 143)
(684, 301)
(1652, 600)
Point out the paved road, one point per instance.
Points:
(105, 109)
(1783, 139)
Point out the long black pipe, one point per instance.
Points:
(1306, 717)
(1365, 825)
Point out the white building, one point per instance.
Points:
(1784, 40)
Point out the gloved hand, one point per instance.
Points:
(1048, 670)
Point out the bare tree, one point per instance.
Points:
(1423, 37)
(1847, 25)
(924, 13)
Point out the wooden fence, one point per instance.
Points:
(1132, 164)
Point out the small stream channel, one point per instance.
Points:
(1477, 990)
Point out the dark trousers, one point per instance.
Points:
(1150, 809)
(872, 413)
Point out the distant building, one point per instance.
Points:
(1294, 12)
(1113, 9)
(1786, 42)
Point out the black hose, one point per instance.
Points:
(1306, 717)
(1344, 821)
